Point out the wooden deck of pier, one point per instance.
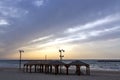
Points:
(53, 66)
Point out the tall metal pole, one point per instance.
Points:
(61, 56)
(20, 61)
(20, 51)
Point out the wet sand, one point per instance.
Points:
(15, 74)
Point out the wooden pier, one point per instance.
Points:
(53, 66)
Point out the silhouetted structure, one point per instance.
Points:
(78, 65)
(20, 51)
(61, 56)
(53, 66)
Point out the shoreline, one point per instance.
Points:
(16, 74)
(92, 70)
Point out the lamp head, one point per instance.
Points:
(21, 51)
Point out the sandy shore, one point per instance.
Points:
(15, 74)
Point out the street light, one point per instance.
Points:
(20, 51)
(61, 56)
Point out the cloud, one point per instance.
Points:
(103, 31)
(3, 25)
(38, 3)
(41, 39)
(8, 8)
(12, 11)
(87, 37)
(3, 22)
(28, 27)
(94, 24)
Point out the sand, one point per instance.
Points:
(15, 74)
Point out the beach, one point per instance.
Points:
(16, 74)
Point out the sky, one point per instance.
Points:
(85, 29)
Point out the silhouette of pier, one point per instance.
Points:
(53, 66)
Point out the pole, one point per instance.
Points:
(20, 61)
(61, 56)
(60, 60)
(20, 51)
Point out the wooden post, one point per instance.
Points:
(26, 68)
(45, 68)
(78, 70)
(42, 68)
(66, 70)
(87, 70)
(35, 68)
(56, 69)
(50, 68)
(30, 68)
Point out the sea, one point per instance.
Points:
(105, 65)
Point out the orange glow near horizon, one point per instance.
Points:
(83, 51)
(50, 52)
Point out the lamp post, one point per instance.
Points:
(61, 56)
(20, 51)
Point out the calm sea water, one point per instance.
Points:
(110, 65)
